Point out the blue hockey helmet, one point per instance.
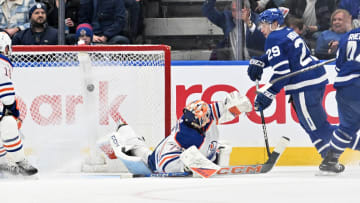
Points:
(272, 14)
(197, 114)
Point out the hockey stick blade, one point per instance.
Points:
(272, 82)
(258, 168)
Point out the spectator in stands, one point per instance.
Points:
(14, 15)
(328, 41)
(297, 24)
(107, 17)
(72, 8)
(136, 20)
(84, 34)
(225, 49)
(260, 5)
(353, 6)
(39, 32)
(315, 13)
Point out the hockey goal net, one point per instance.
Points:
(69, 96)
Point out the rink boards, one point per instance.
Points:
(210, 82)
(63, 139)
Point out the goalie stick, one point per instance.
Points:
(233, 170)
(272, 82)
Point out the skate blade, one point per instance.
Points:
(326, 173)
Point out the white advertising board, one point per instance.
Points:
(210, 83)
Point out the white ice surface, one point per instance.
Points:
(282, 184)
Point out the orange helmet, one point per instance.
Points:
(197, 114)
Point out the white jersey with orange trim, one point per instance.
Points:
(166, 156)
(7, 91)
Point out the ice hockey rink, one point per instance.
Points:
(282, 184)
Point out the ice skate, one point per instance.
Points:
(330, 165)
(9, 168)
(25, 168)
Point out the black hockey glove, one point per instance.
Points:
(255, 69)
(11, 110)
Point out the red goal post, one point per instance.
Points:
(62, 86)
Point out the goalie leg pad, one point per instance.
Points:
(198, 163)
(11, 140)
(104, 145)
(126, 137)
(134, 164)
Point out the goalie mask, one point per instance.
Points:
(197, 114)
(5, 41)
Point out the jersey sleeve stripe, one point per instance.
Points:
(7, 89)
(6, 61)
(170, 153)
(215, 112)
(8, 94)
(164, 159)
(169, 161)
(346, 78)
(280, 64)
(282, 72)
(6, 83)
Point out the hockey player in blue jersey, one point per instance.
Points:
(197, 126)
(347, 83)
(287, 52)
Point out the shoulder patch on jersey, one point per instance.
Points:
(292, 35)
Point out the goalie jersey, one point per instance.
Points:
(287, 52)
(166, 156)
(348, 59)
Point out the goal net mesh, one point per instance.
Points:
(79, 94)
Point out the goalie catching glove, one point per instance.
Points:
(233, 105)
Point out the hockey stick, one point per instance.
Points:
(263, 124)
(272, 82)
(258, 168)
(234, 170)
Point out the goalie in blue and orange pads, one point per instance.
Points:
(196, 127)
